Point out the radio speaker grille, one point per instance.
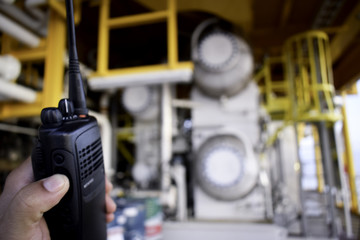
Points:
(90, 158)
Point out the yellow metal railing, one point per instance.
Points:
(59, 7)
(309, 96)
(318, 157)
(275, 93)
(309, 71)
(106, 24)
(126, 134)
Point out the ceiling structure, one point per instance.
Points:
(265, 24)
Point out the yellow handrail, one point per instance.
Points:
(275, 105)
(309, 69)
(106, 23)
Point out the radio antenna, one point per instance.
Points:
(76, 88)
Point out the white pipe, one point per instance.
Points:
(139, 79)
(34, 3)
(37, 13)
(105, 131)
(181, 103)
(18, 32)
(166, 136)
(24, 19)
(32, 7)
(15, 91)
(178, 172)
(8, 1)
(343, 181)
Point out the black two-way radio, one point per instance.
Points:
(69, 143)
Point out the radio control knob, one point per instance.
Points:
(51, 117)
(66, 107)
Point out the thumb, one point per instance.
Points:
(32, 201)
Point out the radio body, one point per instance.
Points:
(69, 143)
(74, 149)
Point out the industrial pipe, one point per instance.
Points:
(38, 26)
(18, 32)
(166, 137)
(7, 1)
(338, 126)
(15, 91)
(34, 3)
(178, 173)
(155, 77)
(34, 10)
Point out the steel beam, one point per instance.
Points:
(344, 38)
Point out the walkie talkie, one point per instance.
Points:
(69, 143)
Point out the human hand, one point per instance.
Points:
(23, 203)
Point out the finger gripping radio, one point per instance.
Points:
(69, 143)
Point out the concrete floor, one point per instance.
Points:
(225, 231)
(221, 231)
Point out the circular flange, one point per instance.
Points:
(226, 168)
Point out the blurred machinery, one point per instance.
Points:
(244, 162)
(215, 143)
(226, 128)
(230, 172)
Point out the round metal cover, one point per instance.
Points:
(224, 64)
(136, 99)
(218, 51)
(142, 102)
(226, 168)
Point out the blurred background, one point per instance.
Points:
(232, 119)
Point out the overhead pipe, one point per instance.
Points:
(37, 26)
(37, 13)
(8, 1)
(20, 33)
(32, 7)
(35, 3)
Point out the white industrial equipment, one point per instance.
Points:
(223, 61)
(224, 138)
(226, 129)
(143, 103)
(236, 175)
